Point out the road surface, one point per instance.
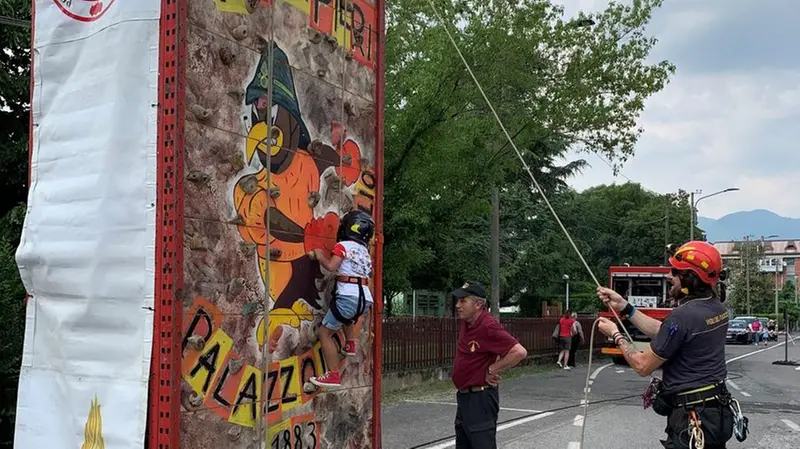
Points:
(544, 411)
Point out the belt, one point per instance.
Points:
(352, 280)
(699, 395)
(475, 389)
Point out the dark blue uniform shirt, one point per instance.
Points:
(691, 340)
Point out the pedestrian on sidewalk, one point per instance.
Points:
(484, 350)
(689, 347)
(577, 339)
(565, 333)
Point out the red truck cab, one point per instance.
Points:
(647, 289)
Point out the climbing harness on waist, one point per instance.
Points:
(360, 307)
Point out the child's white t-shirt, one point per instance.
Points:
(356, 262)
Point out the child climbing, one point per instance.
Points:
(351, 297)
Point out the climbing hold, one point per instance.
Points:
(200, 112)
(198, 243)
(314, 36)
(321, 73)
(330, 39)
(196, 342)
(315, 148)
(358, 38)
(235, 365)
(313, 199)
(195, 399)
(198, 177)
(348, 109)
(348, 56)
(274, 192)
(234, 433)
(226, 55)
(347, 159)
(239, 32)
(249, 184)
(237, 93)
(236, 286)
(247, 249)
(237, 220)
(275, 253)
(237, 159)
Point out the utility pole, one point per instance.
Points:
(495, 301)
(747, 273)
(666, 233)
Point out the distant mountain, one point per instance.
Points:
(755, 222)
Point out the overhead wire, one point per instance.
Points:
(546, 201)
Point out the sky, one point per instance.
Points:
(730, 115)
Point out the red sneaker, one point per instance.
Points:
(350, 348)
(329, 379)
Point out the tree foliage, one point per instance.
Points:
(556, 84)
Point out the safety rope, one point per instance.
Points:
(549, 206)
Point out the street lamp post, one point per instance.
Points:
(566, 278)
(694, 206)
(779, 265)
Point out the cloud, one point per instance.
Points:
(728, 117)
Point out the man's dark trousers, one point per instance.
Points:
(573, 348)
(476, 419)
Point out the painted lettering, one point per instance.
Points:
(209, 362)
(246, 410)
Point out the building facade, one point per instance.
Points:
(780, 256)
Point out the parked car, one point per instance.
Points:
(739, 332)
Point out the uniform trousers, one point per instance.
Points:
(717, 425)
(476, 419)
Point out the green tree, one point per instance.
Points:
(555, 84)
(14, 130)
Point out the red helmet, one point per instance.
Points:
(701, 258)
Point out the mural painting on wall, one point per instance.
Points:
(313, 180)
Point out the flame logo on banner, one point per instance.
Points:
(93, 438)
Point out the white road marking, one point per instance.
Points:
(508, 409)
(598, 370)
(505, 426)
(730, 382)
(620, 371)
(574, 445)
(792, 425)
(578, 421)
(797, 369)
(756, 352)
(745, 394)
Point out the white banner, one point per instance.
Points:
(87, 253)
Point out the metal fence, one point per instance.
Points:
(430, 342)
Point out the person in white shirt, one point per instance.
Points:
(351, 297)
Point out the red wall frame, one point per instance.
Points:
(164, 398)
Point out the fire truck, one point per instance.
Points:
(647, 289)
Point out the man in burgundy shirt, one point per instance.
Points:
(484, 350)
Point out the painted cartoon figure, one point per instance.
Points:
(301, 172)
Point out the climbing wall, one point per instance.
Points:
(280, 134)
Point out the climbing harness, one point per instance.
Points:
(360, 307)
(740, 422)
(696, 435)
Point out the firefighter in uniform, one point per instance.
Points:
(689, 346)
(484, 350)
